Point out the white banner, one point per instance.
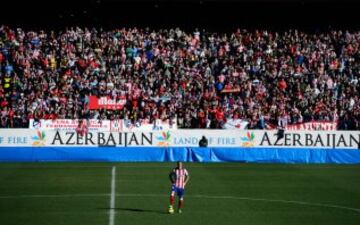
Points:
(69, 125)
(232, 124)
(103, 125)
(313, 126)
(145, 125)
(17, 137)
(181, 138)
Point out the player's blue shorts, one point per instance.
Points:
(179, 191)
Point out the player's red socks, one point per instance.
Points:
(172, 199)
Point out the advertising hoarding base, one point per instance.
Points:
(191, 154)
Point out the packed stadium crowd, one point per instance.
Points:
(200, 79)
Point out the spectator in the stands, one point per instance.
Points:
(200, 79)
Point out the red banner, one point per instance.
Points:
(106, 103)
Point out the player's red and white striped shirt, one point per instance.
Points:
(180, 177)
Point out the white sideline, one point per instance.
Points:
(112, 198)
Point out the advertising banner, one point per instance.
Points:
(103, 125)
(18, 137)
(69, 125)
(106, 103)
(182, 138)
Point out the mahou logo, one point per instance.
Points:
(106, 103)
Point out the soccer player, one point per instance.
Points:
(179, 177)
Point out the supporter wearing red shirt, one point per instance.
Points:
(220, 117)
(298, 67)
(202, 119)
(4, 103)
(282, 84)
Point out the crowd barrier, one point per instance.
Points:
(29, 145)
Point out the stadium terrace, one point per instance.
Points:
(200, 79)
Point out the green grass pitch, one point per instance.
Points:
(221, 193)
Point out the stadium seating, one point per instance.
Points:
(202, 79)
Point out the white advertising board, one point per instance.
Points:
(181, 138)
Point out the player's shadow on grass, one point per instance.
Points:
(136, 210)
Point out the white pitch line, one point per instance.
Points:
(249, 199)
(54, 196)
(280, 201)
(188, 196)
(112, 198)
